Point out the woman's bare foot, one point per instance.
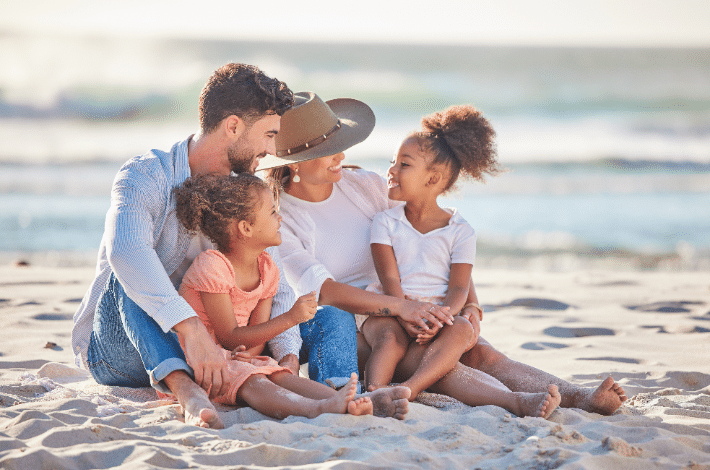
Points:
(373, 387)
(606, 399)
(194, 402)
(390, 402)
(360, 406)
(539, 405)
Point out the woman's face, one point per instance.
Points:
(324, 170)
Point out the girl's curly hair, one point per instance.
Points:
(209, 203)
(460, 139)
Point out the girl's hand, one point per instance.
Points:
(240, 353)
(426, 336)
(304, 309)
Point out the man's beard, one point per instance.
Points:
(241, 157)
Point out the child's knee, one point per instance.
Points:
(462, 328)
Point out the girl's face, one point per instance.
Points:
(408, 174)
(267, 220)
(322, 170)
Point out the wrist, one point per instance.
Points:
(187, 325)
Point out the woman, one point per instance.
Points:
(327, 217)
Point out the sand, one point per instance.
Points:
(649, 330)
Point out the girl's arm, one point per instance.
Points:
(387, 270)
(459, 286)
(218, 308)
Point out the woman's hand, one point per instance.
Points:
(425, 315)
(304, 309)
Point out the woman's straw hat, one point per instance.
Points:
(313, 129)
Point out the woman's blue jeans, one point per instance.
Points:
(129, 349)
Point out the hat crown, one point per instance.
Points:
(308, 119)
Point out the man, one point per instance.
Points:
(125, 328)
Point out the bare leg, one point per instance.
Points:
(389, 343)
(273, 400)
(440, 355)
(317, 391)
(476, 388)
(605, 399)
(194, 401)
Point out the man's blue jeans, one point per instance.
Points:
(129, 349)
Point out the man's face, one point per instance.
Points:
(256, 141)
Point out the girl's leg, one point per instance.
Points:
(476, 388)
(389, 344)
(278, 402)
(439, 356)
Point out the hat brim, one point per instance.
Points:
(357, 122)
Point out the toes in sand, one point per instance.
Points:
(390, 402)
(606, 399)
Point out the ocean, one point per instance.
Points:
(607, 151)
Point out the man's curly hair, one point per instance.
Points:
(241, 90)
(209, 203)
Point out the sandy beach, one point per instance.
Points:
(649, 330)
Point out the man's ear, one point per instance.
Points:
(233, 126)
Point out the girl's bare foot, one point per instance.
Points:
(340, 402)
(539, 405)
(390, 402)
(606, 399)
(360, 406)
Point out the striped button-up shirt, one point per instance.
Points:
(144, 243)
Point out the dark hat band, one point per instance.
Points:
(310, 144)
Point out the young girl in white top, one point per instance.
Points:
(231, 290)
(425, 252)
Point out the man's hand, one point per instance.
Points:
(204, 356)
(290, 361)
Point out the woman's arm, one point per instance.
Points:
(219, 310)
(359, 301)
(387, 270)
(472, 311)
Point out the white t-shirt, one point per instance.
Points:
(424, 259)
(341, 238)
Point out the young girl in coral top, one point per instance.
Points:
(425, 252)
(231, 290)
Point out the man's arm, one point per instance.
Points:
(286, 347)
(138, 199)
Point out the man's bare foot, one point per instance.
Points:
(390, 402)
(539, 405)
(194, 402)
(360, 406)
(373, 387)
(606, 399)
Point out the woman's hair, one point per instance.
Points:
(461, 140)
(209, 203)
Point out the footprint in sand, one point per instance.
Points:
(53, 316)
(625, 360)
(666, 307)
(533, 303)
(539, 346)
(561, 332)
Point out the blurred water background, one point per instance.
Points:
(607, 149)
